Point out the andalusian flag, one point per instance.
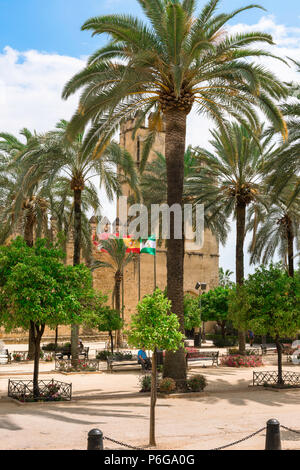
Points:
(149, 246)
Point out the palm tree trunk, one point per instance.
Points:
(77, 227)
(28, 230)
(239, 260)
(152, 441)
(118, 279)
(175, 120)
(290, 238)
(76, 261)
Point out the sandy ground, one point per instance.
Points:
(228, 410)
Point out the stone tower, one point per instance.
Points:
(199, 266)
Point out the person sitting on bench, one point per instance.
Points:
(143, 359)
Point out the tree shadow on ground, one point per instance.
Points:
(241, 394)
(65, 412)
(6, 423)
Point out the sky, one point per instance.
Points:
(42, 47)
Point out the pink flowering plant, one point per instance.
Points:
(241, 361)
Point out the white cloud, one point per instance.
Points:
(31, 84)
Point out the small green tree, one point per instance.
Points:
(38, 290)
(106, 319)
(192, 312)
(155, 327)
(268, 303)
(214, 306)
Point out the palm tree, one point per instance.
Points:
(225, 278)
(56, 156)
(23, 209)
(284, 164)
(230, 179)
(169, 65)
(276, 227)
(119, 259)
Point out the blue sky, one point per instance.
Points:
(42, 47)
(54, 26)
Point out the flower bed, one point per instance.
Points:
(22, 390)
(83, 365)
(237, 360)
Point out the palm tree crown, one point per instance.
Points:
(173, 62)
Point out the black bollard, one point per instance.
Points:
(273, 439)
(95, 440)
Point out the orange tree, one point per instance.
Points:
(173, 62)
(38, 290)
(268, 303)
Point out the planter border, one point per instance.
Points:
(271, 378)
(22, 390)
(64, 366)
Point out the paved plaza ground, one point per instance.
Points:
(228, 410)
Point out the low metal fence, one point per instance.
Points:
(96, 438)
(271, 378)
(49, 390)
(81, 365)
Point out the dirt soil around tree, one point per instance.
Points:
(228, 410)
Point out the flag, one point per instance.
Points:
(133, 246)
(149, 246)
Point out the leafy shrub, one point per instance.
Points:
(145, 383)
(49, 347)
(17, 357)
(228, 341)
(167, 385)
(197, 383)
(123, 356)
(103, 355)
(235, 351)
(241, 361)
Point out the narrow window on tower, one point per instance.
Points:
(138, 152)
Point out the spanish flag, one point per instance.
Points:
(133, 246)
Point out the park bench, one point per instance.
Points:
(116, 361)
(67, 352)
(265, 348)
(5, 357)
(196, 356)
(286, 349)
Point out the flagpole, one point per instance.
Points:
(139, 275)
(155, 271)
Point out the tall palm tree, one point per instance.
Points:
(24, 209)
(119, 259)
(56, 156)
(284, 164)
(276, 227)
(230, 178)
(172, 63)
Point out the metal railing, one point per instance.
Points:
(96, 438)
